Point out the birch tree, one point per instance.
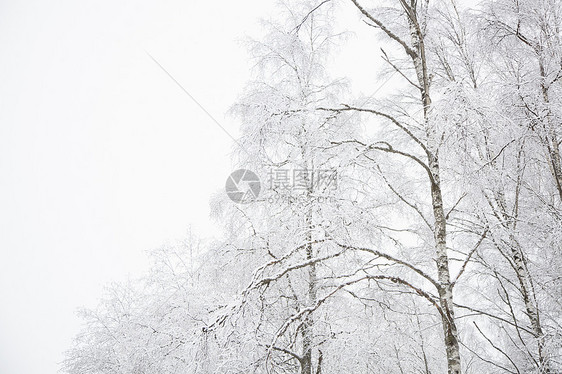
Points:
(438, 250)
(410, 33)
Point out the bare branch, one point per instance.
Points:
(470, 256)
(298, 27)
(385, 115)
(497, 348)
(286, 351)
(393, 259)
(398, 70)
(411, 205)
(481, 312)
(390, 149)
(409, 51)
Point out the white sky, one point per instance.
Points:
(102, 157)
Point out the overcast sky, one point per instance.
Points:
(102, 156)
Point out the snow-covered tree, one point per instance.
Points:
(418, 233)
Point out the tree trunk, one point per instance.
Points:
(526, 285)
(440, 226)
(308, 324)
(445, 285)
(550, 138)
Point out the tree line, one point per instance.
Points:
(436, 248)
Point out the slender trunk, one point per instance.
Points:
(527, 292)
(422, 346)
(445, 286)
(550, 138)
(526, 287)
(307, 327)
(555, 161)
(440, 226)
